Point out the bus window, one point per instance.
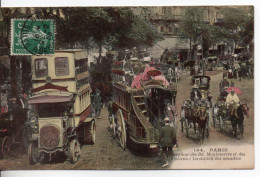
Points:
(41, 67)
(61, 66)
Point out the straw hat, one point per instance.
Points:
(166, 119)
(195, 86)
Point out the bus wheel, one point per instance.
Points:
(121, 130)
(74, 151)
(33, 153)
(90, 133)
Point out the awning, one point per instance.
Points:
(50, 99)
(169, 42)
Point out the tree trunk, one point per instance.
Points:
(13, 76)
(100, 51)
(190, 50)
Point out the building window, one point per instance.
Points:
(162, 29)
(164, 10)
(41, 67)
(61, 66)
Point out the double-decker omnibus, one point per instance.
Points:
(60, 116)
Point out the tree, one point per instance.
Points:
(7, 15)
(192, 25)
(247, 27)
(237, 25)
(113, 27)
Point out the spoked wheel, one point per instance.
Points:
(114, 127)
(182, 120)
(5, 146)
(33, 153)
(213, 116)
(207, 130)
(182, 126)
(74, 151)
(221, 123)
(121, 129)
(90, 133)
(186, 127)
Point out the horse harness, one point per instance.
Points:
(233, 110)
(198, 112)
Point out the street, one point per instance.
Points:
(106, 153)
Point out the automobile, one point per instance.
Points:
(59, 118)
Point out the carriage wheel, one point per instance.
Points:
(182, 119)
(186, 127)
(114, 127)
(33, 153)
(5, 146)
(90, 133)
(207, 129)
(74, 151)
(213, 116)
(121, 130)
(221, 123)
(181, 125)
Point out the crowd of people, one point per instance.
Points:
(133, 63)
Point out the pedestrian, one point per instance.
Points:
(167, 140)
(98, 105)
(170, 74)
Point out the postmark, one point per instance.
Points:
(32, 37)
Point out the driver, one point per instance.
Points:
(195, 95)
(232, 101)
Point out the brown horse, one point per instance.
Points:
(237, 119)
(202, 120)
(196, 116)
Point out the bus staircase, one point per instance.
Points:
(147, 130)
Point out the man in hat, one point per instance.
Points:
(232, 98)
(223, 84)
(135, 53)
(96, 103)
(170, 74)
(195, 95)
(232, 101)
(167, 139)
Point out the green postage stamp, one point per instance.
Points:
(32, 37)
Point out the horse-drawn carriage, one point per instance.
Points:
(203, 82)
(212, 63)
(12, 119)
(196, 113)
(231, 115)
(220, 111)
(139, 106)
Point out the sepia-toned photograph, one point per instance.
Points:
(127, 88)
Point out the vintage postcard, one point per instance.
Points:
(111, 88)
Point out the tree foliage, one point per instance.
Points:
(192, 23)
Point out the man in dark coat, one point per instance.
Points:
(167, 140)
(224, 84)
(195, 95)
(96, 103)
